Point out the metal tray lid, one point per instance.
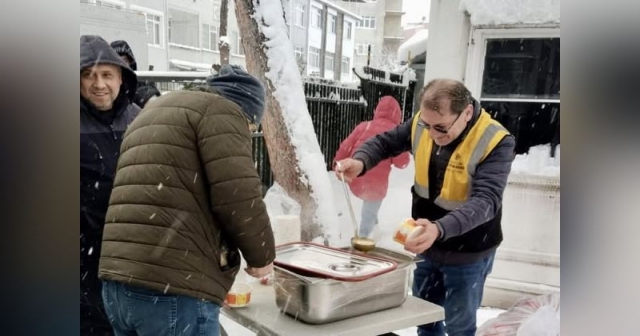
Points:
(321, 261)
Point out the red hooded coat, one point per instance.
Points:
(373, 185)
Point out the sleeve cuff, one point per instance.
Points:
(440, 230)
(444, 225)
(365, 162)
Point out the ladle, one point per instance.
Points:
(359, 243)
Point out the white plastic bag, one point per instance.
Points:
(524, 313)
(544, 322)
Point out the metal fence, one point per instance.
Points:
(335, 109)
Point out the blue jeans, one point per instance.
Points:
(458, 288)
(135, 311)
(369, 217)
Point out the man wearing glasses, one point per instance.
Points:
(462, 160)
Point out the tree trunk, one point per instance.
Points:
(282, 154)
(222, 46)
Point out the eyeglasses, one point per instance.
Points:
(440, 129)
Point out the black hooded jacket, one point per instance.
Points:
(145, 90)
(100, 138)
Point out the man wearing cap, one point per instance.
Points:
(107, 86)
(186, 200)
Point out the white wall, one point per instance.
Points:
(208, 12)
(157, 55)
(528, 260)
(113, 25)
(449, 30)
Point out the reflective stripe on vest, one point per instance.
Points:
(483, 137)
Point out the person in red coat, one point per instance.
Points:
(372, 187)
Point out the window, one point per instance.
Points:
(316, 17)
(300, 10)
(328, 61)
(298, 51)
(153, 24)
(367, 22)
(209, 37)
(363, 48)
(236, 47)
(109, 3)
(332, 23)
(184, 28)
(153, 29)
(345, 66)
(349, 29)
(314, 57)
(516, 77)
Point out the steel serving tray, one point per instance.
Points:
(327, 262)
(316, 300)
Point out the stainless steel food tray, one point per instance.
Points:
(326, 262)
(317, 300)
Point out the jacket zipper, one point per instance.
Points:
(113, 132)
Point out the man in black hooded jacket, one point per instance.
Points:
(107, 88)
(145, 91)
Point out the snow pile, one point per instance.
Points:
(414, 46)
(284, 75)
(538, 162)
(496, 12)
(224, 40)
(407, 74)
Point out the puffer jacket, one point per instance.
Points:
(373, 185)
(101, 135)
(186, 191)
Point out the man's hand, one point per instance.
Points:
(260, 271)
(421, 240)
(350, 167)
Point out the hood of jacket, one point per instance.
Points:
(95, 50)
(123, 48)
(389, 109)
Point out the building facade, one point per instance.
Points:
(323, 37)
(380, 30)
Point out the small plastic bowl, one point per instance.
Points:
(239, 295)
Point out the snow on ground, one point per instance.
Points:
(538, 162)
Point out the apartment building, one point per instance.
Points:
(380, 29)
(139, 22)
(193, 36)
(182, 35)
(323, 37)
(176, 35)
